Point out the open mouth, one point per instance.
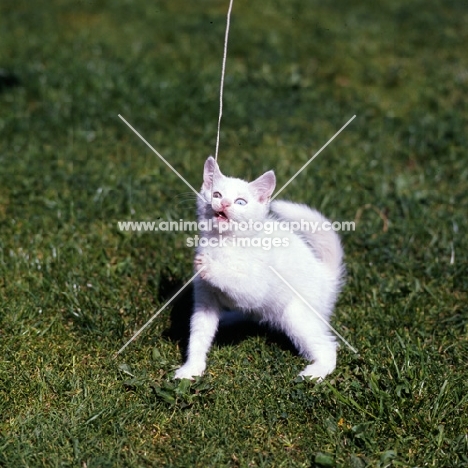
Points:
(221, 216)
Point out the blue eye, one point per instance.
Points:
(240, 201)
(216, 195)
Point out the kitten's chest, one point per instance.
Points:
(241, 276)
(235, 259)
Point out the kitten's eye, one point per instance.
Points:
(216, 195)
(240, 201)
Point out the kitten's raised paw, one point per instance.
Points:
(201, 263)
(189, 371)
(316, 371)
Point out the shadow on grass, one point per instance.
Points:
(8, 80)
(234, 327)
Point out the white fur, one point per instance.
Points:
(239, 278)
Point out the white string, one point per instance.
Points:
(228, 22)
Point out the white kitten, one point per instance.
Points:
(239, 277)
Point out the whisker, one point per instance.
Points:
(185, 197)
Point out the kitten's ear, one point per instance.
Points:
(263, 186)
(210, 170)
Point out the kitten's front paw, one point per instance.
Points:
(202, 263)
(190, 371)
(317, 371)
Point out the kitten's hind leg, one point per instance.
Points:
(203, 325)
(312, 338)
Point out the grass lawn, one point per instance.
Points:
(74, 289)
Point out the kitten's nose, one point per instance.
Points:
(225, 203)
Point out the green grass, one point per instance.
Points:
(73, 289)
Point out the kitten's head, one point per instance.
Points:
(230, 199)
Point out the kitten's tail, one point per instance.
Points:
(325, 243)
